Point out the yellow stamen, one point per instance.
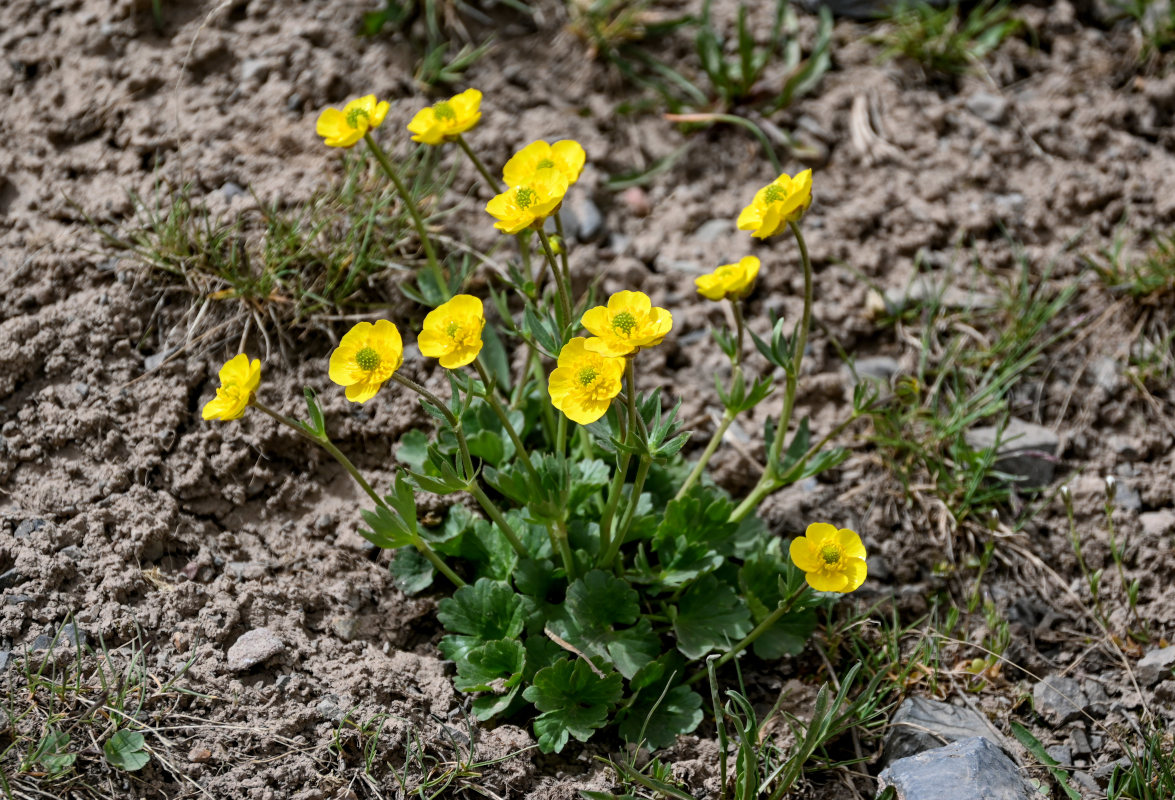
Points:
(586, 376)
(830, 553)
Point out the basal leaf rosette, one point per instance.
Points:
(528, 203)
(584, 383)
(239, 379)
(783, 200)
(730, 281)
(565, 157)
(366, 357)
(345, 128)
(832, 560)
(445, 121)
(452, 331)
(629, 322)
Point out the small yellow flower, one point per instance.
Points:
(528, 203)
(833, 560)
(345, 128)
(565, 157)
(730, 280)
(783, 200)
(583, 384)
(448, 119)
(365, 358)
(452, 331)
(628, 323)
(239, 379)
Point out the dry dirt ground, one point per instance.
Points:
(146, 527)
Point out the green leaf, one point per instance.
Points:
(489, 706)
(491, 667)
(387, 529)
(1033, 745)
(587, 478)
(317, 423)
(52, 752)
(787, 637)
(496, 360)
(693, 539)
(412, 572)
(486, 610)
(595, 605)
(574, 701)
(534, 577)
(710, 616)
(413, 449)
(678, 711)
(125, 750)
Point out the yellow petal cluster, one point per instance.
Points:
(239, 379)
(565, 157)
(365, 358)
(832, 560)
(783, 200)
(448, 119)
(452, 331)
(583, 384)
(528, 203)
(345, 128)
(629, 322)
(732, 281)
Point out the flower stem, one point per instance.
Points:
(491, 397)
(740, 328)
(784, 607)
(642, 472)
(615, 490)
(325, 442)
(413, 211)
(524, 252)
(485, 173)
(499, 519)
(563, 258)
(558, 531)
(560, 284)
(454, 423)
(715, 440)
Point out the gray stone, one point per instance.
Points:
(1127, 497)
(294, 103)
(330, 708)
(1103, 772)
(83, 389)
(246, 570)
(988, 107)
(345, 627)
(155, 360)
(4, 656)
(1129, 447)
(253, 648)
(1061, 754)
(922, 724)
(71, 635)
(1085, 780)
(712, 230)
(28, 527)
(586, 223)
(1080, 743)
(969, 769)
(1026, 451)
(867, 10)
(254, 69)
(1107, 373)
(1157, 523)
(1010, 206)
(925, 289)
(16, 599)
(11, 578)
(1156, 665)
(73, 552)
(875, 368)
(1059, 699)
(231, 190)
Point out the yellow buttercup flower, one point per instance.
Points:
(448, 119)
(833, 560)
(345, 128)
(365, 358)
(528, 203)
(566, 157)
(729, 280)
(783, 200)
(583, 384)
(452, 331)
(628, 323)
(239, 379)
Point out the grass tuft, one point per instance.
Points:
(945, 41)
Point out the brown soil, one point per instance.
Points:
(126, 513)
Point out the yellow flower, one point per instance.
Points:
(565, 157)
(529, 202)
(345, 128)
(628, 323)
(834, 560)
(239, 379)
(583, 384)
(367, 356)
(448, 119)
(452, 331)
(729, 280)
(783, 200)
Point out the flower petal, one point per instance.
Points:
(802, 556)
(855, 572)
(850, 543)
(827, 581)
(820, 532)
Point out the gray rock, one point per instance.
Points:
(4, 656)
(1061, 754)
(924, 289)
(16, 599)
(253, 648)
(1127, 497)
(71, 635)
(922, 724)
(1010, 206)
(28, 527)
(345, 627)
(294, 103)
(1085, 780)
(1129, 447)
(712, 230)
(857, 9)
(988, 107)
(1102, 773)
(155, 360)
(1157, 523)
(73, 552)
(231, 190)
(254, 69)
(11, 578)
(1080, 743)
(1059, 699)
(1156, 665)
(1107, 373)
(875, 368)
(83, 389)
(330, 708)
(969, 769)
(246, 570)
(586, 223)
(1026, 451)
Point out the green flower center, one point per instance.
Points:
(452, 329)
(367, 359)
(830, 553)
(444, 110)
(586, 376)
(546, 163)
(624, 322)
(524, 196)
(353, 117)
(775, 194)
